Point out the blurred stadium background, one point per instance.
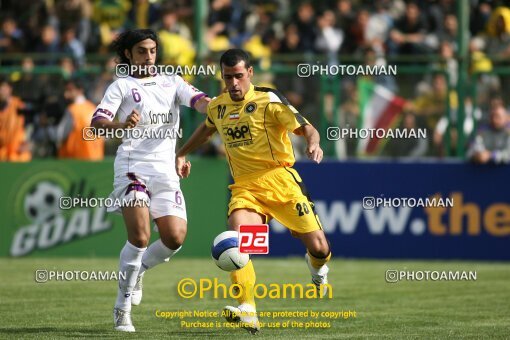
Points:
(453, 74)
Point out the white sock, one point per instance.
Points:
(130, 262)
(156, 253)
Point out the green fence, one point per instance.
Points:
(32, 223)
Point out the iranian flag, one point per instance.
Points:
(379, 109)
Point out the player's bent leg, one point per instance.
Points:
(244, 216)
(137, 224)
(316, 243)
(245, 313)
(136, 220)
(172, 232)
(318, 254)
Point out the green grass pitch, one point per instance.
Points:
(406, 310)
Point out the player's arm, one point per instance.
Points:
(312, 137)
(292, 120)
(105, 113)
(201, 104)
(105, 124)
(191, 96)
(199, 137)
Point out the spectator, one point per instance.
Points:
(479, 17)
(75, 13)
(447, 34)
(386, 80)
(437, 12)
(260, 40)
(408, 148)
(291, 41)
(68, 134)
(67, 68)
(355, 35)
(13, 144)
(431, 106)
(111, 17)
(217, 35)
(345, 15)
(11, 37)
(409, 33)
(144, 13)
(492, 144)
(448, 62)
(305, 21)
(51, 112)
(349, 113)
(30, 89)
(72, 46)
(497, 42)
(329, 39)
(293, 88)
(48, 43)
(378, 26)
(176, 45)
(170, 22)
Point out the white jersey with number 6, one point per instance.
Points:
(146, 156)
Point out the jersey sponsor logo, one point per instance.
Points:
(221, 111)
(161, 118)
(250, 107)
(149, 84)
(234, 115)
(237, 135)
(254, 239)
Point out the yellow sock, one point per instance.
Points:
(245, 277)
(318, 262)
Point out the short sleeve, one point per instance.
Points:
(288, 116)
(188, 94)
(110, 103)
(284, 112)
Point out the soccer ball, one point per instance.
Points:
(225, 251)
(42, 202)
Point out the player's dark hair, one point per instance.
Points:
(128, 39)
(234, 56)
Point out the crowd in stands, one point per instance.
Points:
(49, 49)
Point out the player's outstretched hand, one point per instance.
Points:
(314, 152)
(132, 120)
(182, 167)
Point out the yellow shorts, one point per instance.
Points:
(278, 193)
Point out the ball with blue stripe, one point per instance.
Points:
(225, 251)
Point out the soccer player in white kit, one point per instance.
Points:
(145, 167)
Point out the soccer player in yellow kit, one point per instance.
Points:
(253, 123)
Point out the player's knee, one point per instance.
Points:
(139, 241)
(319, 253)
(319, 248)
(175, 240)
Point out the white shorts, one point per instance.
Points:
(160, 191)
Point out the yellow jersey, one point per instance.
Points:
(255, 130)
